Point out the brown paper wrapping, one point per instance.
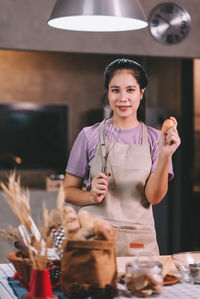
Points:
(88, 263)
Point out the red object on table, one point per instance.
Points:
(40, 285)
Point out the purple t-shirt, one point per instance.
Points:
(85, 147)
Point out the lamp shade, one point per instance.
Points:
(98, 15)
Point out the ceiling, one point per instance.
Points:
(24, 26)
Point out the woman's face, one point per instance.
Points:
(124, 95)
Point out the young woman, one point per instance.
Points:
(138, 166)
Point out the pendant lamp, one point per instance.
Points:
(98, 15)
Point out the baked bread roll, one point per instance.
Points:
(85, 219)
(69, 220)
(104, 230)
(168, 123)
(86, 230)
(84, 226)
(83, 234)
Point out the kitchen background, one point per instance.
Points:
(42, 65)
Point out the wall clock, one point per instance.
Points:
(169, 23)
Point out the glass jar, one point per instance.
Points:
(144, 278)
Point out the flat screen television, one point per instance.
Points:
(33, 136)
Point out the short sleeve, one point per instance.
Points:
(78, 160)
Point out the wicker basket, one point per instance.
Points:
(23, 267)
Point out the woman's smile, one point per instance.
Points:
(123, 108)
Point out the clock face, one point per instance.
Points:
(169, 23)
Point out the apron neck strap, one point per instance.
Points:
(144, 134)
(101, 132)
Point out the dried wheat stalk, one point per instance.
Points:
(61, 197)
(18, 201)
(20, 204)
(10, 234)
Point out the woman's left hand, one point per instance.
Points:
(170, 141)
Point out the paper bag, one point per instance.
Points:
(88, 263)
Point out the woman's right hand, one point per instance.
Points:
(99, 187)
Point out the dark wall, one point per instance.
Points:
(181, 204)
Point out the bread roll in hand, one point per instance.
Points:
(168, 123)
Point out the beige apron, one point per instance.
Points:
(125, 205)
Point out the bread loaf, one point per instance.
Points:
(83, 234)
(85, 219)
(84, 226)
(104, 230)
(70, 220)
(86, 230)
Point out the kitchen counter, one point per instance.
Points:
(180, 290)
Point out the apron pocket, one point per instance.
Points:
(134, 242)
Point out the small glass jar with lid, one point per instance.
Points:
(144, 278)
